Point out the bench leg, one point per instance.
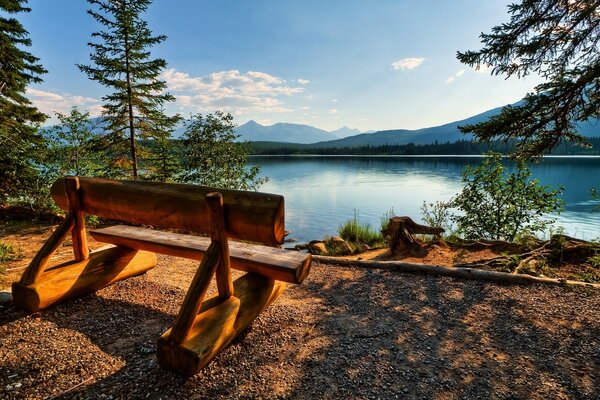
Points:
(217, 324)
(74, 278)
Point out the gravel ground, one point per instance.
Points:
(344, 333)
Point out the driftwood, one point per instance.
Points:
(559, 248)
(401, 231)
(467, 273)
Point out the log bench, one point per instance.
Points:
(202, 327)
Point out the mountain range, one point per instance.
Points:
(305, 134)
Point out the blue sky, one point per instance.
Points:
(366, 64)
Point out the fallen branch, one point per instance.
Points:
(467, 273)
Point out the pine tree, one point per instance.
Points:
(122, 63)
(18, 118)
(559, 40)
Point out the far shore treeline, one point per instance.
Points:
(461, 147)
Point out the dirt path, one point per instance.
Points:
(344, 333)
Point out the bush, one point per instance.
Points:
(8, 253)
(437, 214)
(497, 205)
(357, 232)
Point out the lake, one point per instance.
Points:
(321, 192)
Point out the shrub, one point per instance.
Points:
(495, 204)
(357, 232)
(437, 214)
(7, 252)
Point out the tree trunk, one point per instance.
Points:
(401, 231)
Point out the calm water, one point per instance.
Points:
(322, 192)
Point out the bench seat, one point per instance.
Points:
(279, 264)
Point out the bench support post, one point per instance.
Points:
(203, 329)
(41, 286)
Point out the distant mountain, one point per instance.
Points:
(344, 131)
(441, 134)
(282, 132)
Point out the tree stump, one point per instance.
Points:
(401, 231)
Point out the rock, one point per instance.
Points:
(5, 297)
(339, 246)
(364, 247)
(318, 247)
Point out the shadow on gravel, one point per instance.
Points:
(370, 334)
(429, 337)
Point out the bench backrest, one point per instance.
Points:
(252, 216)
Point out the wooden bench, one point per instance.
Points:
(202, 327)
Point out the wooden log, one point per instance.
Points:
(219, 322)
(467, 273)
(80, 247)
(218, 234)
(252, 216)
(195, 294)
(42, 258)
(74, 278)
(279, 264)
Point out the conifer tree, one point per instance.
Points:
(19, 119)
(122, 62)
(560, 41)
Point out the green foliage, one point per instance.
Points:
(437, 214)
(586, 276)
(121, 62)
(596, 199)
(558, 40)
(356, 232)
(18, 118)
(510, 262)
(595, 260)
(8, 253)
(212, 157)
(495, 204)
(71, 145)
(459, 147)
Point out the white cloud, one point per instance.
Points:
(50, 102)
(407, 63)
(333, 111)
(334, 100)
(458, 73)
(360, 119)
(231, 91)
(303, 81)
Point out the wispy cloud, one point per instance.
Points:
(51, 102)
(231, 91)
(303, 81)
(407, 63)
(333, 111)
(458, 73)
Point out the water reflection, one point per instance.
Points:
(322, 192)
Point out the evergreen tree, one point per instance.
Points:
(559, 40)
(164, 162)
(212, 157)
(122, 63)
(18, 118)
